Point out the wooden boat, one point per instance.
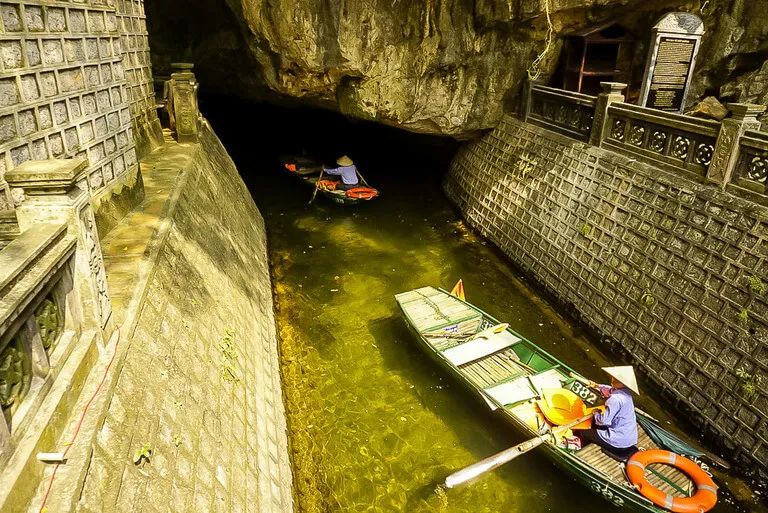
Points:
(509, 373)
(309, 170)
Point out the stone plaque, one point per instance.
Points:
(668, 72)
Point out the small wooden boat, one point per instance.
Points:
(309, 171)
(511, 375)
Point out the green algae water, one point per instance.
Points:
(374, 425)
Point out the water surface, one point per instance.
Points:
(374, 425)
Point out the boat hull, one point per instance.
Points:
(309, 171)
(615, 493)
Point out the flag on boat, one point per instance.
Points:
(458, 290)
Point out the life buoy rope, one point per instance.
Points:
(703, 500)
(362, 193)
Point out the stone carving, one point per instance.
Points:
(658, 138)
(680, 147)
(48, 321)
(636, 135)
(722, 154)
(14, 373)
(758, 169)
(96, 264)
(617, 132)
(681, 22)
(703, 154)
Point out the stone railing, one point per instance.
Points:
(38, 322)
(674, 140)
(562, 111)
(731, 153)
(55, 314)
(752, 164)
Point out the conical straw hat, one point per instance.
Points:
(344, 161)
(625, 374)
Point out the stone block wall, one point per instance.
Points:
(201, 380)
(73, 77)
(672, 273)
(132, 21)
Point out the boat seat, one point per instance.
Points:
(620, 455)
(480, 348)
(521, 389)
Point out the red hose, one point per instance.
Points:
(80, 422)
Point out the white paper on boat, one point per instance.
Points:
(521, 389)
(480, 348)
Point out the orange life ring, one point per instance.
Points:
(703, 500)
(362, 193)
(328, 185)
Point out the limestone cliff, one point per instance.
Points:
(448, 67)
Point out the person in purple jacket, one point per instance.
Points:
(615, 429)
(347, 171)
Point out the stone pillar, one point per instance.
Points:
(182, 103)
(726, 153)
(612, 92)
(52, 195)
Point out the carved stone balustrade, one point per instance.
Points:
(566, 112)
(661, 138)
(54, 314)
(741, 155)
(52, 195)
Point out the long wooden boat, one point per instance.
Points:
(309, 172)
(508, 372)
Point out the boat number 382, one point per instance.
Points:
(606, 492)
(588, 396)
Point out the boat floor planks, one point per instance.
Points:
(595, 457)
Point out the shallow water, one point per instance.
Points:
(374, 425)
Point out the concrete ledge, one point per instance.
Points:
(23, 472)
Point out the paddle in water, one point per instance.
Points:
(317, 185)
(505, 456)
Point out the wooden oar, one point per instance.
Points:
(317, 184)
(505, 456)
(361, 177)
(480, 334)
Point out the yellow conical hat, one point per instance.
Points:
(625, 374)
(344, 161)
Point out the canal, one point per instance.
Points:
(374, 426)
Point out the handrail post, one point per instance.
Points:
(56, 191)
(726, 153)
(181, 102)
(527, 103)
(612, 92)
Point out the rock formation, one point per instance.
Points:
(448, 67)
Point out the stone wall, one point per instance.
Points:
(74, 82)
(670, 272)
(138, 71)
(201, 379)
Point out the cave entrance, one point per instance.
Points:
(405, 167)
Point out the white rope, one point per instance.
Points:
(533, 70)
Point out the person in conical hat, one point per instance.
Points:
(615, 429)
(347, 171)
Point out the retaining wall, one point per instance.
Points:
(671, 272)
